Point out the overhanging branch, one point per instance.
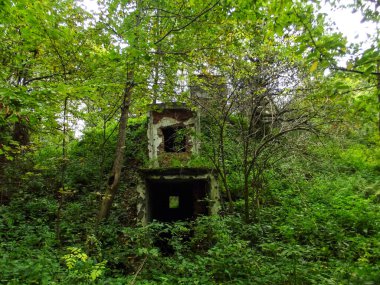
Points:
(354, 71)
(203, 12)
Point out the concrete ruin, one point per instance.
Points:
(172, 133)
(167, 190)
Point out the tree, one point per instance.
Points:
(145, 39)
(267, 102)
(43, 50)
(362, 61)
(270, 71)
(156, 51)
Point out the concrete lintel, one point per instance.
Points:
(191, 171)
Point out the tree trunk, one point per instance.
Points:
(246, 198)
(378, 92)
(114, 179)
(223, 161)
(61, 191)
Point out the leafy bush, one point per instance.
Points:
(81, 268)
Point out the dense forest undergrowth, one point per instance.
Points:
(289, 124)
(318, 223)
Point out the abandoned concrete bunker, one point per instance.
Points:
(168, 193)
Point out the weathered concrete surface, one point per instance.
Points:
(176, 116)
(176, 175)
(196, 188)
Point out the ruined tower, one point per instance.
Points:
(169, 190)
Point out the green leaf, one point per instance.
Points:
(369, 70)
(314, 66)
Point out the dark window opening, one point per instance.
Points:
(174, 139)
(177, 200)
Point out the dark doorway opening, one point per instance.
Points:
(174, 139)
(173, 200)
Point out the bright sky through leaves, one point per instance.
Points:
(350, 24)
(345, 21)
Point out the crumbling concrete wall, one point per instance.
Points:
(176, 116)
(196, 189)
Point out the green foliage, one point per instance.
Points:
(27, 247)
(81, 268)
(90, 159)
(317, 226)
(315, 214)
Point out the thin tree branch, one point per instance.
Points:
(46, 77)
(138, 271)
(187, 24)
(354, 71)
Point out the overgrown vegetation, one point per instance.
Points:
(296, 148)
(318, 223)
